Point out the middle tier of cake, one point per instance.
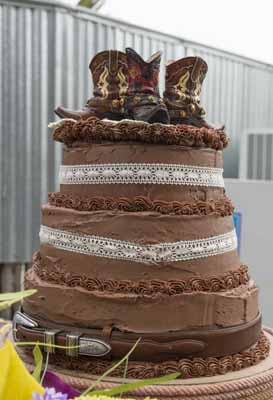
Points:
(127, 270)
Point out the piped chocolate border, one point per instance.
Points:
(94, 130)
(221, 207)
(58, 275)
(189, 368)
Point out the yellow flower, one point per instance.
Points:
(16, 383)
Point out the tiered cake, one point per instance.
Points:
(140, 242)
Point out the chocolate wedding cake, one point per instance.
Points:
(140, 243)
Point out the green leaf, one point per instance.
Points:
(5, 304)
(110, 370)
(134, 385)
(86, 3)
(16, 295)
(38, 360)
(8, 299)
(125, 368)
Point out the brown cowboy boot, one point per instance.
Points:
(110, 80)
(184, 80)
(143, 101)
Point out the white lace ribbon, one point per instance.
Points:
(124, 250)
(170, 174)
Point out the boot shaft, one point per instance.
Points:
(143, 102)
(143, 75)
(110, 74)
(184, 79)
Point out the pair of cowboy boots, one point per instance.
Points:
(126, 86)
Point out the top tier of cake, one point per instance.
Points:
(130, 160)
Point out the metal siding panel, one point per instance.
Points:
(146, 47)
(44, 104)
(50, 98)
(89, 54)
(268, 157)
(217, 89)
(250, 166)
(59, 74)
(100, 29)
(223, 98)
(119, 39)
(229, 154)
(204, 93)
(29, 223)
(268, 103)
(81, 66)
(168, 51)
(128, 39)
(6, 133)
(179, 51)
(137, 43)
(110, 37)
(271, 161)
(154, 46)
(263, 155)
(209, 89)
(259, 153)
(36, 120)
(69, 59)
(255, 156)
(20, 147)
(12, 142)
(235, 106)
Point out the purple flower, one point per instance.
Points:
(53, 381)
(50, 394)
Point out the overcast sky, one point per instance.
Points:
(241, 26)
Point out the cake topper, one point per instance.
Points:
(126, 87)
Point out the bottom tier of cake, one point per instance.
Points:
(188, 367)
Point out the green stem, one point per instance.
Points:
(111, 369)
(48, 345)
(45, 369)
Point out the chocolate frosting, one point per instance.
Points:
(140, 313)
(93, 129)
(55, 273)
(222, 207)
(153, 192)
(143, 228)
(129, 152)
(107, 268)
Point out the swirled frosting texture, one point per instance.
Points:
(221, 207)
(189, 368)
(56, 274)
(93, 129)
(140, 313)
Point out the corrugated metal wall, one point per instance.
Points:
(45, 49)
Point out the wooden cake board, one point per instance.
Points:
(253, 383)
